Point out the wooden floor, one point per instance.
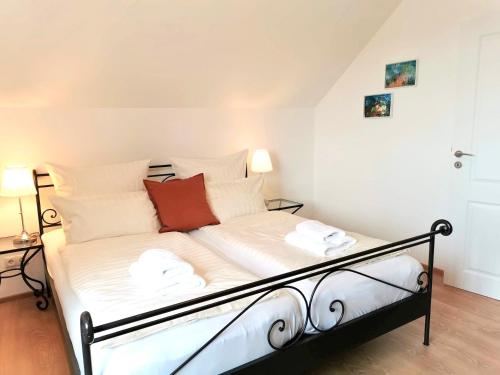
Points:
(465, 339)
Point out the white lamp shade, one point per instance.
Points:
(261, 161)
(17, 182)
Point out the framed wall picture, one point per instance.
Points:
(379, 105)
(401, 74)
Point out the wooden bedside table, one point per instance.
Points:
(280, 204)
(29, 250)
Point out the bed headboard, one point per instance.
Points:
(49, 218)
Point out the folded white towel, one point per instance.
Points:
(320, 232)
(159, 268)
(319, 248)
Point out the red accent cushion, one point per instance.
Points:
(181, 205)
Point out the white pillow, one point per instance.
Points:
(236, 198)
(104, 179)
(92, 217)
(226, 168)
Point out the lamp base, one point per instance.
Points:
(23, 238)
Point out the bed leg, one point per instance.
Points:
(87, 336)
(446, 229)
(429, 291)
(427, 329)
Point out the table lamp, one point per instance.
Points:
(18, 182)
(261, 161)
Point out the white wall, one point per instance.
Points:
(93, 136)
(391, 177)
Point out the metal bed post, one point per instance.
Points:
(87, 335)
(40, 231)
(446, 230)
(430, 270)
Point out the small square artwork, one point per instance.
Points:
(378, 105)
(401, 74)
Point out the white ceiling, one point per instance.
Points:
(179, 53)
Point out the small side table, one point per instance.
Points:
(29, 250)
(280, 204)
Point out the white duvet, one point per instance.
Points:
(98, 273)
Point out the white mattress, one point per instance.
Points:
(256, 242)
(161, 352)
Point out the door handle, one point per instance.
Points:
(459, 154)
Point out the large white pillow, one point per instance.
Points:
(103, 179)
(236, 198)
(92, 217)
(226, 168)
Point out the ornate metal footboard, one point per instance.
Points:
(300, 352)
(419, 301)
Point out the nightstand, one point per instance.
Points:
(28, 250)
(280, 204)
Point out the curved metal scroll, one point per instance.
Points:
(280, 323)
(444, 226)
(36, 286)
(28, 280)
(331, 307)
(48, 217)
(422, 281)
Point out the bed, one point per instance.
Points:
(280, 341)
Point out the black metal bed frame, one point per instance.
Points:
(303, 350)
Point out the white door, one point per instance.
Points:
(476, 183)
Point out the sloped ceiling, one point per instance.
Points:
(179, 53)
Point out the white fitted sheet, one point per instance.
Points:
(256, 242)
(161, 352)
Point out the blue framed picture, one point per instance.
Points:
(379, 105)
(401, 74)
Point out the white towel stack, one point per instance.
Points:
(320, 239)
(159, 268)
